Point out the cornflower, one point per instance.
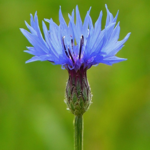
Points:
(76, 47)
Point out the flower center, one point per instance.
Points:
(68, 51)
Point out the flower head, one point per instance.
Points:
(77, 44)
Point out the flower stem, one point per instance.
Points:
(78, 123)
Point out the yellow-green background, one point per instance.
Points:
(33, 114)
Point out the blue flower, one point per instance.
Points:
(77, 44)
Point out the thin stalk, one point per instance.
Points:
(78, 124)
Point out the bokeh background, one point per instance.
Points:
(33, 114)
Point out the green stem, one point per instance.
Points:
(78, 123)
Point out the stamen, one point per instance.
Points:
(81, 44)
(72, 43)
(65, 47)
(71, 55)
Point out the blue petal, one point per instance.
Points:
(32, 30)
(78, 19)
(115, 19)
(112, 60)
(31, 50)
(35, 58)
(109, 16)
(35, 41)
(36, 26)
(32, 20)
(41, 58)
(61, 19)
(96, 32)
(86, 24)
(118, 45)
(90, 23)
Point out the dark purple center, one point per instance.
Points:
(68, 53)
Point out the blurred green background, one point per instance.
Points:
(33, 114)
